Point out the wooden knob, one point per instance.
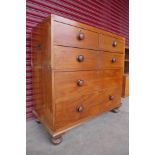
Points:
(113, 60)
(111, 97)
(80, 83)
(81, 35)
(79, 108)
(80, 58)
(114, 43)
(39, 46)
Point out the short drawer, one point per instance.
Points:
(111, 60)
(71, 84)
(68, 35)
(74, 58)
(72, 111)
(109, 43)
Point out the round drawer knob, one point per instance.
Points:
(79, 108)
(114, 43)
(81, 36)
(80, 83)
(39, 46)
(113, 60)
(80, 58)
(111, 97)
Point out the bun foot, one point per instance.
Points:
(37, 121)
(56, 140)
(116, 110)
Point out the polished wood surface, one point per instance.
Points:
(70, 36)
(125, 89)
(69, 58)
(95, 103)
(77, 73)
(111, 60)
(112, 44)
(92, 80)
(84, 26)
(41, 74)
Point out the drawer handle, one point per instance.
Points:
(80, 58)
(39, 46)
(80, 82)
(113, 60)
(114, 43)
(79, 108)
(111, 97)
(81, 36)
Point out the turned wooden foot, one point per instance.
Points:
(116, 110)
(56, 140)
(37, 120)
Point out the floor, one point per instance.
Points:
(107, 134)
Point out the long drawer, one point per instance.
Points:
(71, 84)
(75, 58)
(73, 110)
(68, 35)
(84, 59)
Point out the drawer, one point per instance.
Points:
(68, 35)
(71, 84)
(74, 58)
(109, 43)
(72, 111)
(111, 60)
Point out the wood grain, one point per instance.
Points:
(125, 87)
(84, 26)
(67, 35)
(107, 60)
(59, 102)
(41, 73)
(66, 82)
(66, 58)
(106, 43)
(95, 103)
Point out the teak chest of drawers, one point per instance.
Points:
(76, 73)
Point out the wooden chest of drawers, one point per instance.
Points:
(76, 71)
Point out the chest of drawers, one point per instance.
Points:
(76, 73)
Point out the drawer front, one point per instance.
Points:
(72, 84)
(68, 35)
(74, 58)
(109, 43)
(72, 111)
(111, 60)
